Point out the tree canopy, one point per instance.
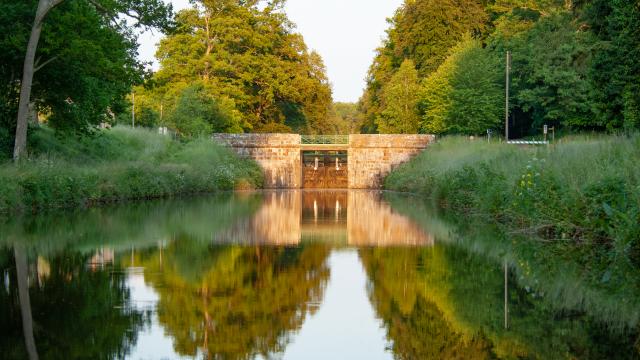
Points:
(86, 61)
(573, 65)
(247, 55)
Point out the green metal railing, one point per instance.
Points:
(324, 139)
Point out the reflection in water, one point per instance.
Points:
(355, 332)
(77, 313)
(234, 302)
(293, 274)
(357, 218)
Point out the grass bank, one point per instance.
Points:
(581, 197)
(115, 165)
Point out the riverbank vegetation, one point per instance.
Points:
(581, 196)
(118, 164)
(441, 68)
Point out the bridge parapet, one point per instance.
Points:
(370, 157)
(277, 154)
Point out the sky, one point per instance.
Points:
(344, 32)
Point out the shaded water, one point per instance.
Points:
(293, 275)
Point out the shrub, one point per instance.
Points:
(118, 164)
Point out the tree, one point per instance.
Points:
(399, 99)
(465, 94)
(197, 113)
(235, 302)
(422, 31)
(345, 118)
(146, 12)
(550, 77)
(249, 54)
(615, 70)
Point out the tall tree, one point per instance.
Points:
(422, 31)
(615, 70)
(146, 12)
(465, 94)
(247, 52)
(399, 99)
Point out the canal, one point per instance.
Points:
(293, 275)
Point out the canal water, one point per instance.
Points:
(293, 275)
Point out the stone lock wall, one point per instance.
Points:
(277, 154)
(372, 157)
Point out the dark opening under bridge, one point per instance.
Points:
(292, 161)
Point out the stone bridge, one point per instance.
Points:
(292, 161)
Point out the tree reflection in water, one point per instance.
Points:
(76, 313)
(235, 302)
(237, 275)
(444, 302)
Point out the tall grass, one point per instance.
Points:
(118, 164)
(581, 195)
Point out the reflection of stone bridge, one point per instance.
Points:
(355, 218)
(335, 161)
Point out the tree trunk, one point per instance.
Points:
(44, 6)
(25, 302)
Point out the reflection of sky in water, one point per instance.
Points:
(345, 327)
(152, 342)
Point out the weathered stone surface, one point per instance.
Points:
(277, 222)
(371, 222)
(353, 218)
(277, 154)
(372, 157)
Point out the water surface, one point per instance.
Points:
(291, 275)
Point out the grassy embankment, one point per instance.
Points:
(580, 197)
(115, 165)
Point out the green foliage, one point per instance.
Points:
(615, 71)
(197, 113)
(398, 102)
(117, 165)
(550, 66)
(83, 299)
(464, 94)
(422, 31)
(573, 65)
(584, 193)
(345, 118)
(86, 61)
(249, 54)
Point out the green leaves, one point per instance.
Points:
(251, 57)
(399, 98)
(422, 31)
(197, 113)
(465, 94)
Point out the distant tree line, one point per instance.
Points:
(441, 68)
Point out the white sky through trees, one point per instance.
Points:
(344, 32)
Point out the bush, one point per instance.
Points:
(118, 164)
(583, 192)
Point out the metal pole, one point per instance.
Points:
(133, 110)
(506, 292)
(506, 109)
